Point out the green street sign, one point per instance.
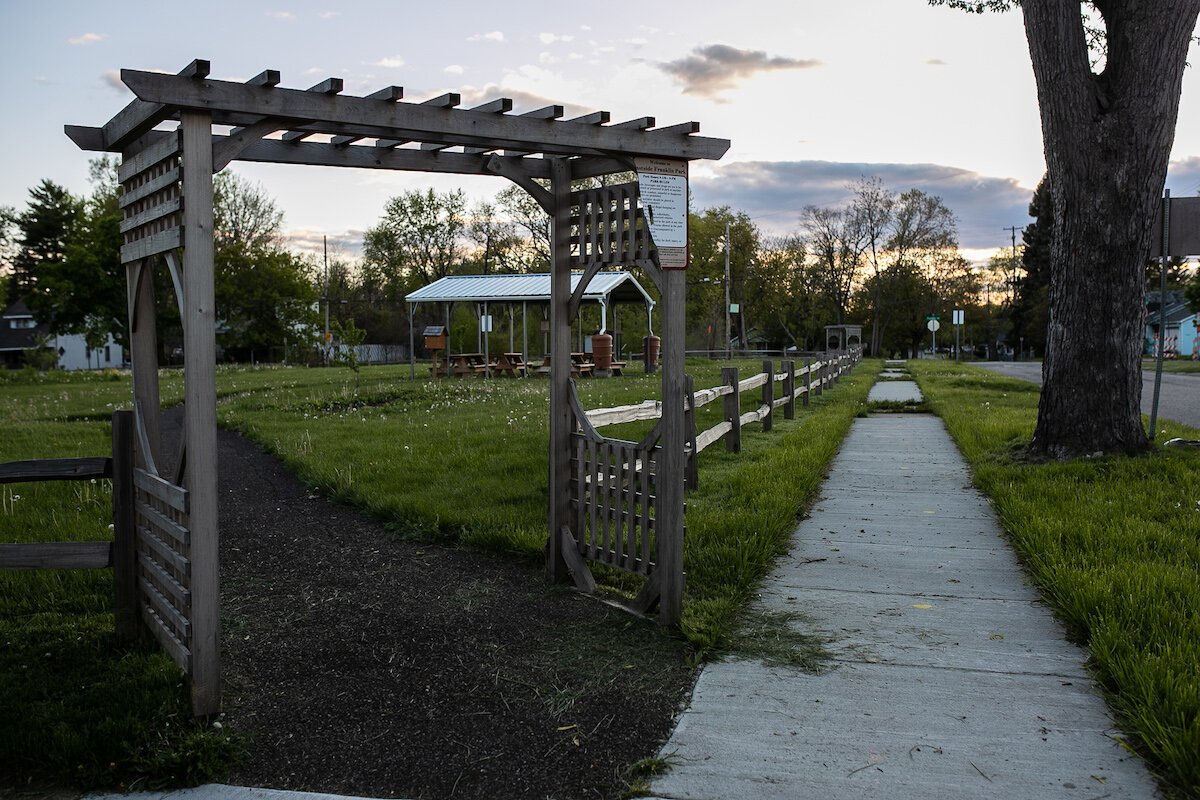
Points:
(929, 317)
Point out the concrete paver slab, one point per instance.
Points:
(894, 391)
(949, 678)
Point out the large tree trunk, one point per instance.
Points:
(1107, 139)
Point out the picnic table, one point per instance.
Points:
(511, 364)
(463, 364)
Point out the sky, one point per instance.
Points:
(812, 94)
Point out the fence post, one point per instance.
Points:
(789, 389)
(124, 552)
(733, 410)
(768, 395)
(807, 380)
(820, 376)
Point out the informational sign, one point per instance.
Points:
(663, 184)
(734, 308)
(485, 323)
(958, 316)
(933, 325)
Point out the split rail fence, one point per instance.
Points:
(149, 551)
(615, 482)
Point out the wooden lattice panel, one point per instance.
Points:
(151, 201)
(614, 502)
(609, 228)
(164, 564)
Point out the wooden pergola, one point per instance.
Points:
(167, 200)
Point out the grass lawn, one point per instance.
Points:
(1171, 365)
(1114, 545)
(459, 462)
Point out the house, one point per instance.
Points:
(20, 333)
(1180, 333)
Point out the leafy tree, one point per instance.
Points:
(417, 241)
(265, 299)
(1094, 127)
(1192, 292)
(45, 229)
(532, 223)
(245, 217)
(9, 235)
(706, 272)
(1030, 307)
(495, 237)
(837, 242)
(782, 287)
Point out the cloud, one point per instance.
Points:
(711, 69)
(310, 241)
(329, 14)
(774, 193)
(936, 62)
(112, 79)
(453, 69)
(283, 15)
(491, 36)
(87, 38)
(42, 80)
(390, 62)
(551, 38)
(1183, 177)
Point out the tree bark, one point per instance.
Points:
(1107, 139)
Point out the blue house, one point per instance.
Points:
(1180, 333)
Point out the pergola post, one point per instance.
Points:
(200, 397)
(560, 368)
(673, 459)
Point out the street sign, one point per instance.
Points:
(485, 323)
(929, 317)
(958, 316)
(733, 308)
(933, 324)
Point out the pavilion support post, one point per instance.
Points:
(143, 357)
(671, 470)
(525, 335)
(560, 370)
(200, 420)
(412, 343)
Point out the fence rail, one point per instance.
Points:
(614, 514)
(115, 554)
(798, 383)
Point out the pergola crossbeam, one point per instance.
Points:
(344, 115)
(140, 116)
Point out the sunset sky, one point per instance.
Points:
(812, 94)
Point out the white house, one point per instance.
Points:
(19, 332)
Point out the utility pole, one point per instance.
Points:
(1013, 263)
(728, 345)
(325, 342)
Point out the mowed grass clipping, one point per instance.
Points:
(1114, 545)
(456, 461)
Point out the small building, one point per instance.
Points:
(1180, 329)
(842, 338)
(21, 333)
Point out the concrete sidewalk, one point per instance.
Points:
(949, 680)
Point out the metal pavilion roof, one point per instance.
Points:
(605, 287)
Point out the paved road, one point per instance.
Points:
(1179, 399)
(950, 680)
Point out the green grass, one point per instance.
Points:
(1172, 365)
(458, 461)
(1114, 545)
